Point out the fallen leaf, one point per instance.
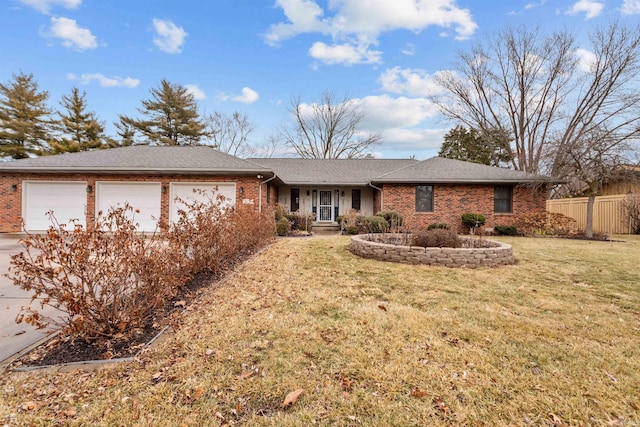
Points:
(246, 375)
(197, 394)
(70, 412)
(292, 398)
(345, 383)
(634, 405)
(555, 419)
(209, 352)
(181, 303)
(441, 405)
(157, 376)
(611, 377)
(29, 406)
(416, 392)
(382, 307)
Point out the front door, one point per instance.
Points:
(325, 207)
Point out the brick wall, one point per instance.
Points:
(11, 201)
(451, 201)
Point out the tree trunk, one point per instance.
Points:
(588, 230)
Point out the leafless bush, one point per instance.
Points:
(630, 210)
(106, 281)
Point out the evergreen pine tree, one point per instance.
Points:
(81, 130)
(25, 122)
(170, 118)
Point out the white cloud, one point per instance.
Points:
(385, 111)
(354, 25)
(409, 50)
(104, 81)
(72, 36)
(344, 54)
(631, 7)
(408, 81)
(44, 6)
(248, 96)
(197, 93)
(169, 37)
(591, 8)
(533, 5)
(418, 139)
(586, 59)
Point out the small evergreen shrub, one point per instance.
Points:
(283, 227)
(376, 224)
(393, 218)
(437, 238)
(438, 225)
(472, 220)
(506, 230)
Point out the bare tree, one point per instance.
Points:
(536, 89)
(328, 129)
(230, 134)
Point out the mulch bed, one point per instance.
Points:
(64, 349)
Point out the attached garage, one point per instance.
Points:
(67, 200)
(143, 197)
(203, 191)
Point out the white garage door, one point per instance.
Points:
(142, 196)
(204, 191)
(67, 200)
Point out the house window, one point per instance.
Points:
(502, 199)
(424, 198)
(295, 199)
(355, 199)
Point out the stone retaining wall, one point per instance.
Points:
(496, 255)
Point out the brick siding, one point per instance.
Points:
(11, 201)
(450, 202)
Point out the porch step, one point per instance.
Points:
(326, 228)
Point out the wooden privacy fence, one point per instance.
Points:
(607, 216)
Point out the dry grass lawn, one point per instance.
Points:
(553, 340)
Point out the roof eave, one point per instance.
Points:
(140, 171)
(462, 181)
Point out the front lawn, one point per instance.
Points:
(554, 339)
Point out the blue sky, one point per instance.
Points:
(253, 56)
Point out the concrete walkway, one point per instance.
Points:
(14, 337)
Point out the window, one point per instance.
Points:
(424, 198)
(502, 199)
(295, 199)
(355, 199)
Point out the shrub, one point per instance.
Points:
(546, 224)
(375, 224)
(300, 221)
(394, 219)
(438, 225)
(107, 280)
(506, 230)
(352, 222)
(280, 211)
(437, 238)
(472, 220)
(283, 227)
(630, 210)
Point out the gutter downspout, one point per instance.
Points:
(381, 195)
(260, 190)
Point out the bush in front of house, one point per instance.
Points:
(546, 224)
(300, 221)
(394, 219)
(375, 224)
(283, 227)
(437, 238)
(109, 280)
(473, 220)
(505, 230)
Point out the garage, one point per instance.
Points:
(66, 199)
(185, 191)
(144, 197)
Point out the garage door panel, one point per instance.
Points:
(67, 200)
(204, 191)
(143, 197)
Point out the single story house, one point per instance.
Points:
(79, 185)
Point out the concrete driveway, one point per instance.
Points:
(14, 337)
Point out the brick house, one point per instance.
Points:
(79, 185)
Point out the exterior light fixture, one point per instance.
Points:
(241, 190)
(89, 189)
(14, 187)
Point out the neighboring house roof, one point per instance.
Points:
(140, 159)
(442, 170)
(331, 171)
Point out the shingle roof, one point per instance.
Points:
(441, 170)
(139, 159)
(331, 171)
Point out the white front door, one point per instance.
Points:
(325, 205)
